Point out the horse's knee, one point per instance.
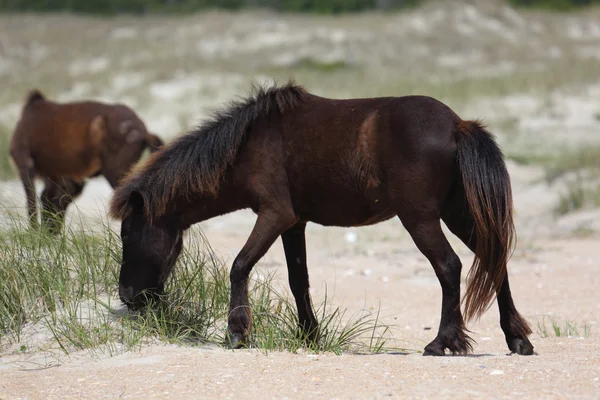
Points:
(73, 188)
(239, 271)
(52, 215)
(51, 199)
(63, 194)
(71, 191)
(46, 195)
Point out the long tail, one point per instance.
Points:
(488, 191)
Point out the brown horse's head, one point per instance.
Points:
(125, 138)
(150, 249)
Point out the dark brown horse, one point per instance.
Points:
(67, 143)
(293, 157)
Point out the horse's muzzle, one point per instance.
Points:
(126, 295)
(139, 300)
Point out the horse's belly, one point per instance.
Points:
(349, 211)
(339, 197)
(67, 166)
(344, 221)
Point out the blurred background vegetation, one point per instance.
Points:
(318, 6)
(529, 68)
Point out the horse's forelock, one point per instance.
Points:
(119, 206)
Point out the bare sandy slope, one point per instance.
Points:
(368, 268)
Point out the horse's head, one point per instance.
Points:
(125, 138)
(150, 249)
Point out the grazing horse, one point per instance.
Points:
(294, 157)
(67, 143)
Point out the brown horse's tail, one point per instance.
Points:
(488, 191)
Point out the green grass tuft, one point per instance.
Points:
(59, 294)
(558, 328)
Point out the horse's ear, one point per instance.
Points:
(154, 142)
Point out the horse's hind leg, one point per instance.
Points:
(294, 245)
(514, 326)
(426, 231)
(56, 197)
(458, 219)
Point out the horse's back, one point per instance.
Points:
(57, 137)
(379, 130)
(60, 121)
(346, 158)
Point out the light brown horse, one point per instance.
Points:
(293, 158)
(67, 143)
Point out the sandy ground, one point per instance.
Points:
(567, 369)
(552, 274)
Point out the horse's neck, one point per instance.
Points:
(209, 206)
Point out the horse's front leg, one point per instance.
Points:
(271, 223)
(56, 197)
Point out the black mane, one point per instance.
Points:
(196, 162)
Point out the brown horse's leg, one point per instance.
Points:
(271, 223)
(515, 328)
(294, 245)
(28, 178)
(56, 197)
(428, 236)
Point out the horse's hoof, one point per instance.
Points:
(433, 349)
(308, 339)
(522, 347)
(236, 341)
(312, 341)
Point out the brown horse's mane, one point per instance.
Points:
(196, 162)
